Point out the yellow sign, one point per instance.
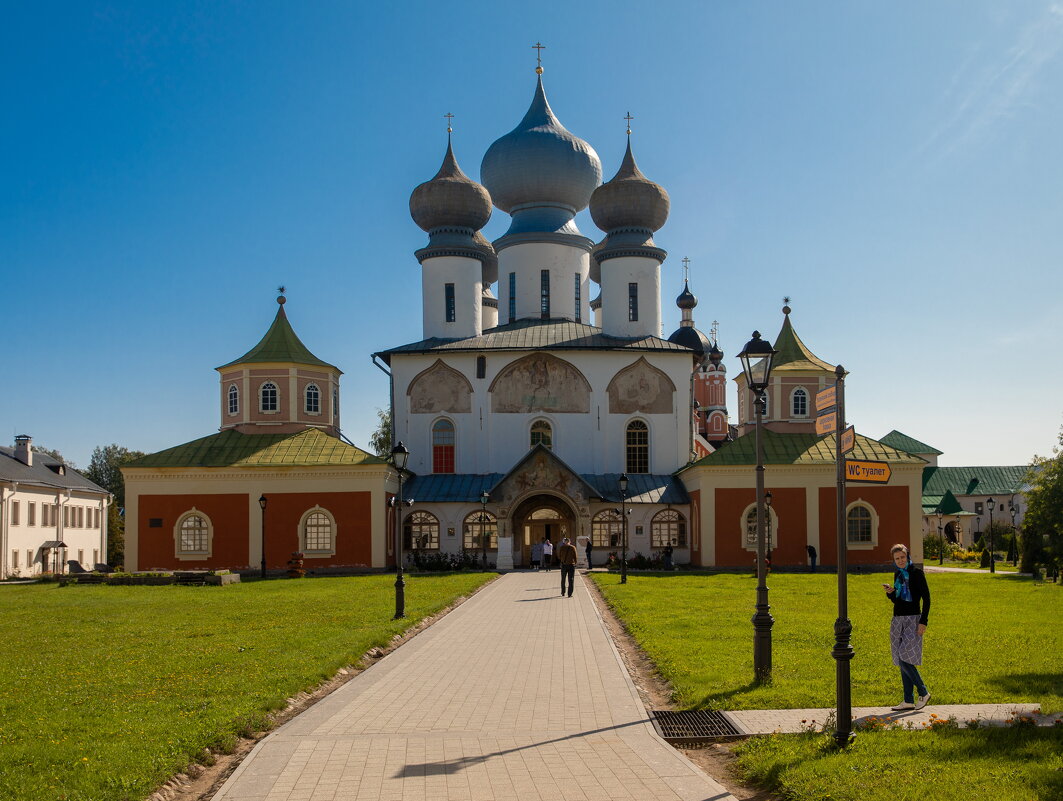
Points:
(848, 439)
(867, 472)
(825, 399)
(827, 423)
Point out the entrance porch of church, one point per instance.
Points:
(537, 518)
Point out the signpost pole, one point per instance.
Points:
(843, 628)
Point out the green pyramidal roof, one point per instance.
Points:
(232, 449)
(902, 442)
(793, 354)
(280, 344)
(801, 449)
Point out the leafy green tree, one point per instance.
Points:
(1043, 522)
(105, 469)
(380, 441)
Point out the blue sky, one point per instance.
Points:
(895, 168)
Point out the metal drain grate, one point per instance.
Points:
(694, 727)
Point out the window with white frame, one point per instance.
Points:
(267, 398)
(313, 399)
(861, 525)
(14, 558)
(668, 527)
(421, 531)
(799, 403)
(607, 529)
(31, 514)
(478, 526)
(234, 399)
(318, 532)
(193, 535)
(541, 431)
(638, 447)
(750, 528)
(14, 513)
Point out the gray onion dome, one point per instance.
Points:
(540, 163)
(686, 299)
(450, 199)
(629, 200)
(715, 354)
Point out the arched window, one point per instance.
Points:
(607, 529)
(478, 525)
(860, 525)
(421, 531)
(267, 397)
(668, 527)
(193, 535)
(317, 532)
(799, 403)
(443, 446)
(313, 399)
(638, 447)
(541, 431)
(750, 540)
(234, 399)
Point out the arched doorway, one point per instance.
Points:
(538, 517)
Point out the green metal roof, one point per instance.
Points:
(233, 449)
(793, 354)
(280, 344)
(902, 442)
(975, 480)
(801, 449)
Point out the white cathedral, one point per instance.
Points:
(522, 411)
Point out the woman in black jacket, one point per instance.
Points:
(911, 608)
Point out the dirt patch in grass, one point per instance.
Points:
(715, 759)
(200, 782)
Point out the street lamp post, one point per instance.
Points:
(622, 483)
(756, 360)
(485, 496)
(991, 505)
(1015, 535)
(399, 457)
(262, 505)
(767, 502)
(941, 539)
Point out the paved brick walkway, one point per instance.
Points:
(517, 694)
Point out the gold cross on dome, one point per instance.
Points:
(449, 117)
(539, 48)
(629, 118)
(686, 269)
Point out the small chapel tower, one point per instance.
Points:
(459, 263)
(627, 263)
(279, 386)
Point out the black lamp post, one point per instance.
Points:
(991, 505)
(756, 363)
(1014, 535)
(399, 457)
(622, 483)
(767, 523)
(941, 539)
(262, 504)
(485, 496)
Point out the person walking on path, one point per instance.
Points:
(910, 596)
(812, 556)
(566, 555)
(537, 555)
(590, 548)
(548, 553)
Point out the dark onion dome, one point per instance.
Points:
(715, 354)
(690, 337)
(686, 299)
(629, 200)
(540, 163)
(450, 199)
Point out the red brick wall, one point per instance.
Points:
(228, 514)
(891, 505)
(792, 534)
(353, 516)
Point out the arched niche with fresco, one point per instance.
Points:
(540, 383)
(641, 388)
(440, 389)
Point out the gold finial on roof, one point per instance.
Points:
(539, 48)
(449, 117)
(786, 304)
(629, 118)
(280, 293)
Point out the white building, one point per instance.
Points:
(523, 398)
(48, 514)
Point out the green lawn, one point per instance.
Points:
(105, 692)
(990, 639)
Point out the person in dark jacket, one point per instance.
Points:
(910, 596)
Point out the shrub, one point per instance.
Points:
(986, 556)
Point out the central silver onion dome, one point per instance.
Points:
(540, 173)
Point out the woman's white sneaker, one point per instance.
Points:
(903, 706)
(923, 700)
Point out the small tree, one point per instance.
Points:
(105, 469)
(380, 440)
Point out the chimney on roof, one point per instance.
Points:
(24, 449)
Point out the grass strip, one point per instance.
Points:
(106, 692)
